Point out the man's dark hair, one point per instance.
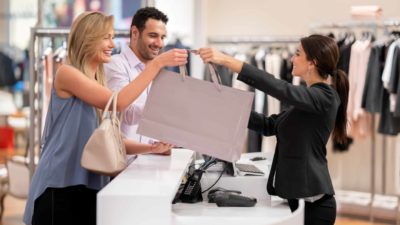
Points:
(142, 15)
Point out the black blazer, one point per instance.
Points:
(302, 133)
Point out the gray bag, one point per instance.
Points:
(199, 115)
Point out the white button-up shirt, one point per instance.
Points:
(123, 69)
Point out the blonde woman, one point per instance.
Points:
(62, 192)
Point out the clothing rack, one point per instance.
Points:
(347, 25)
(392, 23)
(253, 40)
(35, 88)
(374, 25)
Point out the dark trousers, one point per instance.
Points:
(320, 212)
(70, 205)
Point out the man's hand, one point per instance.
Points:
(173, 57)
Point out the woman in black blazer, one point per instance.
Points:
(299, 168)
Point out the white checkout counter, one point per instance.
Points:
(142, 195)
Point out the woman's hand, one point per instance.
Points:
(173, 57)
(161, 147)
(210, 55)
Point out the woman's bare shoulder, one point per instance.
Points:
(67, 69)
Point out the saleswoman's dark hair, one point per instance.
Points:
(325, 54)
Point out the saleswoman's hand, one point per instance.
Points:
(210, 55)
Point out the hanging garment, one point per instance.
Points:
(359, 119)
(178, 44)
(224, 73)
(254, 139)
(372, 96)
(261, 102)
(286, 74)
(7, 76)
(388, 123)
(374, 93)
(388, 64)
(272, 65)
(394, 82)
(388, 81)
(237, 83)
(345, 52)
(47, 81)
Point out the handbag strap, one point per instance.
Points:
(114, 109)
(113, 99)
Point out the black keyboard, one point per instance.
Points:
(249, 168)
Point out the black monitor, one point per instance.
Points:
(229, 168)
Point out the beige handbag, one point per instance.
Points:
(104, 153)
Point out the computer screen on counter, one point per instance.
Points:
(232, 168)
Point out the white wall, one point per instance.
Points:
(24, 17)
(180, 19)
(16, 19)
(283, 17)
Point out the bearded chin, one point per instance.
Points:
(149, 56)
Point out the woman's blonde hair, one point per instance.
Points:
(87, 30)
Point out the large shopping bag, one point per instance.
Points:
(203, 116)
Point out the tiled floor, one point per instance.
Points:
(349, 221)
(13, 210)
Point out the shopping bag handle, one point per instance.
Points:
(214, 75)
(183, 71)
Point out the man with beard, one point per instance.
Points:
(147, 34)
